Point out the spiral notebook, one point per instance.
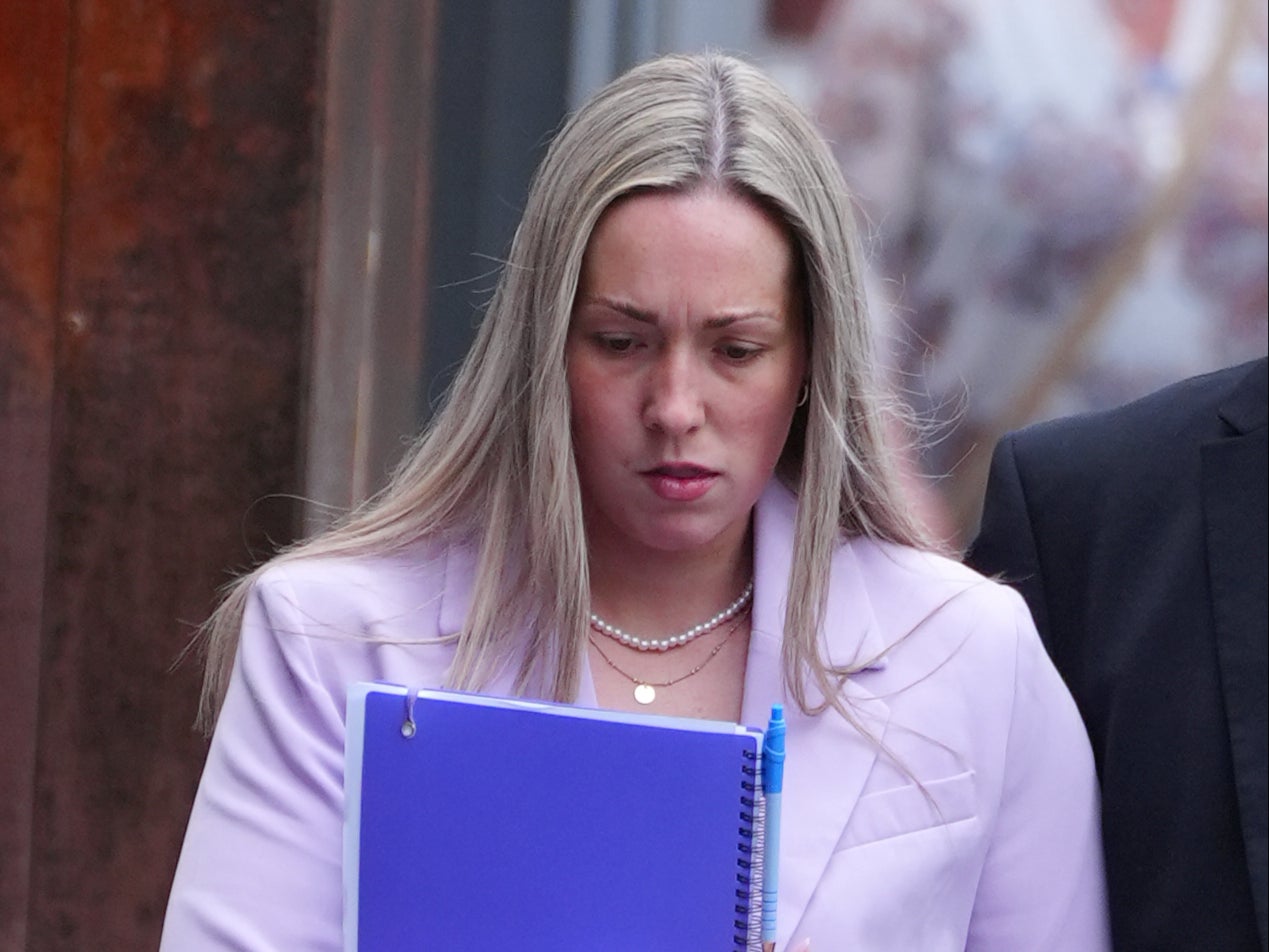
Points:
(481, 824)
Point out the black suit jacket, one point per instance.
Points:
(1138, 538)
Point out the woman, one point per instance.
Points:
(669, 398)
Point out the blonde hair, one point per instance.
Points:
(500, 453)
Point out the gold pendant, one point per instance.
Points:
(645, 693)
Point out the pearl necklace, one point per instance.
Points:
(645, 691)
(665, 644)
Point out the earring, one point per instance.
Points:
(804, 394)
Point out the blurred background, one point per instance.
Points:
(243, 244)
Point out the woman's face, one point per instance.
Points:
(685, 358)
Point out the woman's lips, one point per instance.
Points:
(680, 482)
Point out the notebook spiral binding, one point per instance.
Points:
(749, 877)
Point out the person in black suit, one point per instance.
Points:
(1138, 538)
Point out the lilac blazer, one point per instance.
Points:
(999, 852)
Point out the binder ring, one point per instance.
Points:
(408, 727)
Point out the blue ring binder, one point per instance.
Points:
(504, 823)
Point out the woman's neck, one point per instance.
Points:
(655, 595)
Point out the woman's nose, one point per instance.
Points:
(674, 402)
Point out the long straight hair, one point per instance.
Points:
(499, 454)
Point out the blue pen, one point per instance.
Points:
(772, 786)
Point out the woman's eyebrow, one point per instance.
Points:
(735, 317)
(623, 307)
(649, 317)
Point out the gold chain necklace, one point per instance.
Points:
(645, 691)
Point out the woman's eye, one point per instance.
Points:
(616, 343)
(738, 353)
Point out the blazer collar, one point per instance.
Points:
(1247, 406)
(827, 759)
(456, 601)
(456, 595)
(851, 635)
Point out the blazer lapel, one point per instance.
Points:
(1234, 478)
(827, 760)
(456, 602)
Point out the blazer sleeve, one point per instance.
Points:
(260, 870)
(1043, 883)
